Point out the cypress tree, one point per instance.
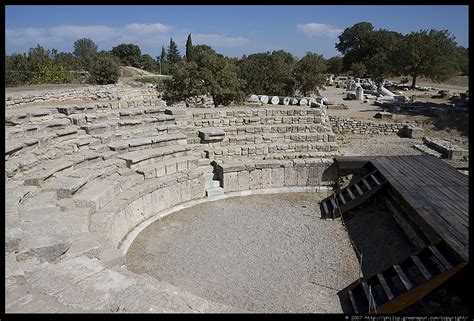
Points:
(189, 49)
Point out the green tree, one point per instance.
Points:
(463, 60)
(354, 43)
(281, 73)
(310, 73)
(162, 61)
(427, 53)
(189, 48)
(219, 75)
(85, 50)
(253, 69)
(173, 56)
(185, 84)
(209, 73)
(380, 57)
(67, 60)
(37, 56)
(148, 63)
(358, 69)
(373, 48)
(129, 54)
(334, 65)
(104, 69)
(268, 73)
(16, 70)
(50, 73)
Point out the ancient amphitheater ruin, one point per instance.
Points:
(85, 168)
(88, 169)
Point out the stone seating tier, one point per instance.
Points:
(81, 178)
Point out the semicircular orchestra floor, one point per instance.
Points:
(260, 253)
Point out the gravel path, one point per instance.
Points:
(261, 253)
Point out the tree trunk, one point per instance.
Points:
(216, 103)
(413, 83)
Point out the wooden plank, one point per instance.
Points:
(440, 257)
(444, 206)
(420, 171)
(358, 189)
(415, 173)
(350, 193)
(366, 184)
(385, 286)
(353, 302)
(389, 164)
(375, 179)
(421, 267)
(410, 297)
(461, 204)
(365, 286)
(325, 206)
(403, 277)
(440, 168)
(342, 198)
(447, 227)
(334, 206)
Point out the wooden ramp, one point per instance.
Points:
(433, 198)
(433, 195)
(352, 196)
(405, 283)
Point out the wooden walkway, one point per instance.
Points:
(437, 193)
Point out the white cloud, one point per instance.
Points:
(149, 37)
(219, 40)
(319, 30)
(102, 35)
(153, 27)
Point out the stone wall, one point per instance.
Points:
(90, 93)
(342, 125)
(262, 174)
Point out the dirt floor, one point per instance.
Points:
(261, 253)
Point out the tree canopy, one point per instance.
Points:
(129, 54)
(268, 73)
(208, 73)
(189, 48)
(427, 53)
(173, 56)
(85, 50)
(334, 65)
(310, 73)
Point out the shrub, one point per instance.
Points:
(105, 70)
(50, 73)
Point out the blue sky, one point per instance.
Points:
(230, 30)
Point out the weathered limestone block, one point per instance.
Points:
(302, 175)
(255, 179)
(75, 283)
(278, 177)
(243, 179)
(291, 176)
(65, 186)
(95, 195)
(315, 172)
(96, 128)
(12, 146)
(185, 190)
(411, 132)
(230, 182)
(383, 115)
(266, 178)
